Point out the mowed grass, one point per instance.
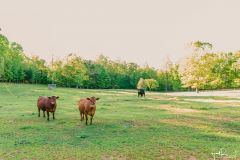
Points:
(124, 127)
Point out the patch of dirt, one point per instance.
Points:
(157, 98)
(174, 109)
(173, 98)
(192, 158)
(111, 157)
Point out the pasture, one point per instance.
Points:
(159, 126)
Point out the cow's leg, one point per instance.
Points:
(38, 112)
(91, 119)
(43, 113)
(53, 113)
(82, 116)
(47, 115)
(86, 118)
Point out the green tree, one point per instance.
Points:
(36, 70)
(98, 76)
(194, 72)
(226, 70)
(141, 84)
(74, 71)
(151, 84)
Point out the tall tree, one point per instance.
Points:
(141, 84)
(151, 84)
(194, 73)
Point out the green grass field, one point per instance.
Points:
(124, 127)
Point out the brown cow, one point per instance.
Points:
(48, 104)
(87, 107)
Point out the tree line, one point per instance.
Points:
(204, 69)
(201, 70)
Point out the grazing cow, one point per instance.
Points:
(87, 107)
(48, 104)
(141, 92)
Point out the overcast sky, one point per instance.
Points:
(140, 31)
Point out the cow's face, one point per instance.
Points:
(53, 99)
(93, 100)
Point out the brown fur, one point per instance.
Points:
(87, 107)
(47, 104)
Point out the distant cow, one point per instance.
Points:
(48, 104)
(141, 92)
(87, 107)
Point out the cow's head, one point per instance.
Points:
(93, 100)
(53, 99)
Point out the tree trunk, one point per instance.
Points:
(197, 91)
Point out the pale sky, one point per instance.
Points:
(140, 31)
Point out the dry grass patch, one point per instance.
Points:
(174, 109)
(159, 98)
(213, 100)
(201, 126)
(123, 92)
(163, 98)
(113, 158)
(173, 98)
(220, 118)
(178, 122)
(183, 102)
(228, 104)
(109, 94)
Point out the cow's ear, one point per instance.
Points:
(88, 98)
(97, 98)
(49, 97)
(57, 97)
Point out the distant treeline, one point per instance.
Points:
(201, 70)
